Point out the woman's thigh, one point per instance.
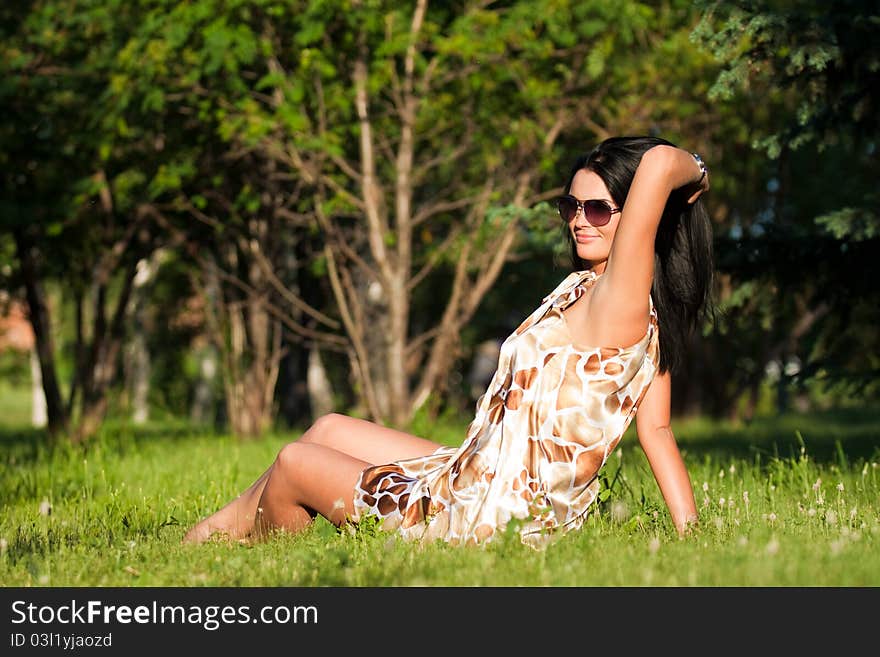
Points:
(365, 440)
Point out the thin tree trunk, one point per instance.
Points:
(39, 316)
(320, 390)
(39, 415)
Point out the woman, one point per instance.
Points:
(569, 381)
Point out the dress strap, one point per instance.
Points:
(569, 283)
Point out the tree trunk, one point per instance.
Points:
(39, 416)
(320, 390)
(202, 410)
(40, 319)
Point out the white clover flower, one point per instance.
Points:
(811, 512)
(730, 503)
(721, 501)
(746, 496)
(831, 517)
(852, 513)
(705, 486)
(840, 486)
(817, 484)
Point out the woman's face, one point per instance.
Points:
(593, 242)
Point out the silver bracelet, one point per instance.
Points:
(702, 167)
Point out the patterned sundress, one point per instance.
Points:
(543, 429)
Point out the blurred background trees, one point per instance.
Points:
(250, 213)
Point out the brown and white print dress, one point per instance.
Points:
(546, 424)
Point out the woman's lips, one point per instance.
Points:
(584, 237)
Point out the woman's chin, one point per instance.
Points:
(591, 256)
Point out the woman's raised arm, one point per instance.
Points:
(623, 292)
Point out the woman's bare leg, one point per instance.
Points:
(363, 440)
(307, 479)
(366, 440)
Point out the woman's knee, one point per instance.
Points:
(324, 426)
(288, 458)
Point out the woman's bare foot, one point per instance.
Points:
(226, 524)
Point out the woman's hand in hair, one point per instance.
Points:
(682, 171)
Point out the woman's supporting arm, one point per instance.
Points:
(658, 442)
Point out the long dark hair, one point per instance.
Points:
(683, 260)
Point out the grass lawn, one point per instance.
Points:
(784, 501)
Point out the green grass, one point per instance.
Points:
(113, 514)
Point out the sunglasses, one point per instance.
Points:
(596, 211)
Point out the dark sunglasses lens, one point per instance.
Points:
(567, 207)
(598, 213)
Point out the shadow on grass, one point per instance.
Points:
(837, 436)
(29, 444)
(834, 436)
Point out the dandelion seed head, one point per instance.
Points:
(771, 517)
(831, 517)
(619, 511)
(811, 512)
